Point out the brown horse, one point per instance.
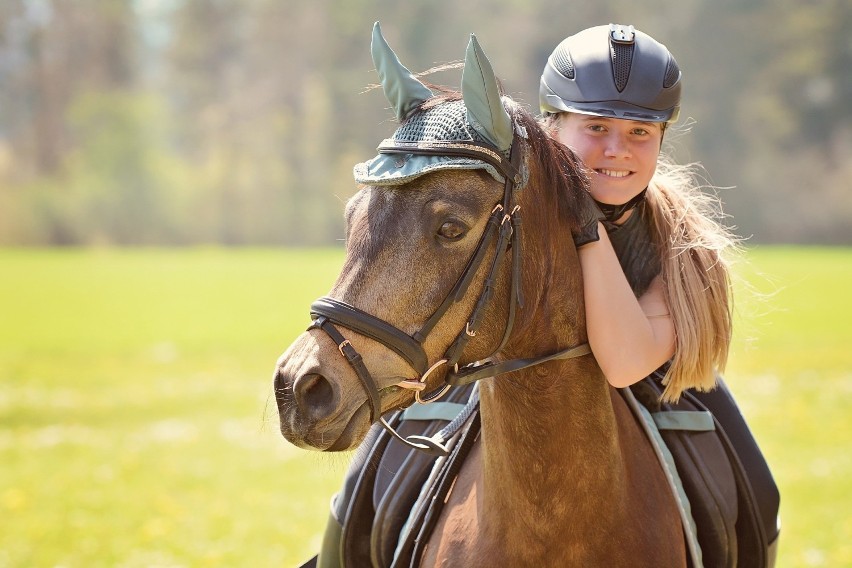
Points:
(562, 474)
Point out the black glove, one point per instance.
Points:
(588, 215)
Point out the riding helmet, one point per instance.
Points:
(615, 71)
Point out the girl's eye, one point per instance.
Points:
(452, 230)
(596, 127)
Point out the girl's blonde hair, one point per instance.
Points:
(695, 250)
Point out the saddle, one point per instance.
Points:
(735, 526)
(393, 494)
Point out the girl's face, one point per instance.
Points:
(621, 155)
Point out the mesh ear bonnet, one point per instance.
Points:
(446, 123)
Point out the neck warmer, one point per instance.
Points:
(613, 213)
(636, 250)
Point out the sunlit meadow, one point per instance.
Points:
(137, 426)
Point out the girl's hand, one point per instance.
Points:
(589, 215)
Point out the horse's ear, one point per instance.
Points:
(402, 89)
(485, 111)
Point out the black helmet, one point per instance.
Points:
(613, 71)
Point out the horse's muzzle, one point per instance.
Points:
(312, 412)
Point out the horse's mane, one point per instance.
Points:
(560, 172)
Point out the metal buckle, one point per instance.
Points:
(441, 393)
(343, 344)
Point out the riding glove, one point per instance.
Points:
(589, 215)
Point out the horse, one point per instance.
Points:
(561, 473)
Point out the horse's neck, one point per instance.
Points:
(542, 424)
(549, 432)
(549, 442)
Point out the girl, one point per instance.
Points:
(656, 280)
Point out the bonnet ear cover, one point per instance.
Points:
(479, 118)
(485, 111)
(402, 89)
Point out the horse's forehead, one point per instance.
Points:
(381, 218)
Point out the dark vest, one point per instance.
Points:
(635, 248)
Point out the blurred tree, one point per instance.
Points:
(234, 122)
(53, 50)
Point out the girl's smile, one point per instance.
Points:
(614, 173)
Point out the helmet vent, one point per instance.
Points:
(562, 62)
(672, 73)
(622, 58)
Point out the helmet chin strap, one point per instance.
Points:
(613, 213)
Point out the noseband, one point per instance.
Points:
(504, 224)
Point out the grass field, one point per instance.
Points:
(137, 428)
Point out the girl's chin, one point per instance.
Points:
(614, 198)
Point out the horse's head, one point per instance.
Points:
(433, 256)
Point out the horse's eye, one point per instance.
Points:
(452, 230)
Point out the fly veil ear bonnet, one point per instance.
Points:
(479, 118)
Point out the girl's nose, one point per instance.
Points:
(616, 147)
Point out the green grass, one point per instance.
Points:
(791, 370)
(137, 429)
(136, 426)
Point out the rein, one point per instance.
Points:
(504, 224)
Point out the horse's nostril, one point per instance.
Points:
(313, 391)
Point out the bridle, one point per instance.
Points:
(504, 224)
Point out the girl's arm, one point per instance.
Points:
(630, 338)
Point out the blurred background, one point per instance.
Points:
(172, 181)
(237, 122)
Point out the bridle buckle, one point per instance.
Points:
(343, 344)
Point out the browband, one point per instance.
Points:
(457, 149)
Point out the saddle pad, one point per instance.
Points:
(668, 465)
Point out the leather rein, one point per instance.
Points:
(504, 224)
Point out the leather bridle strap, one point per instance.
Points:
(454, 353)
(468, 375)
(482, 152)
(355, 361)
(409, 347)
(460, 289)
(428, 445)
(352, 318)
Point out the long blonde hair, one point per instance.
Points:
(695, 254)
